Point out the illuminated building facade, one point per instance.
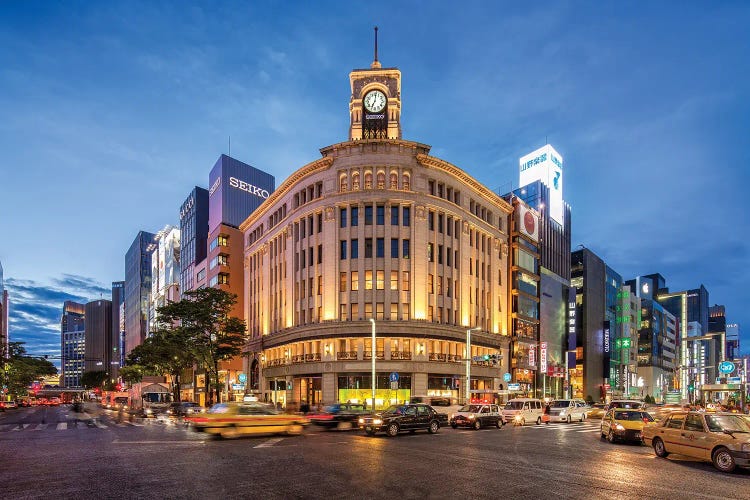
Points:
(137, 289)
(72, 343)
(4, 336)
(376, 229)
(165, 271)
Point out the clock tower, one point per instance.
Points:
(375, 103)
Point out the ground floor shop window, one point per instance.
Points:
(357, 388)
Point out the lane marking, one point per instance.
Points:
(99, 424)
(40, 427)
(62, 426)
(269, 443)
(116, 441)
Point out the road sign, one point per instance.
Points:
(726, 367)
(242, 377)
(393, 377)
(514, 387)
(506, 377)
(734, 380)
(394, 385)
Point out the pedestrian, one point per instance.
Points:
(545, 415)
(304, 407)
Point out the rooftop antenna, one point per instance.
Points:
(230, 146)
(376, 63)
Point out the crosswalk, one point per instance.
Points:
(585, 427)
(67, 425)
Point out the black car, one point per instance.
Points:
(183, 409)
(399, 418)
(477, 416)
(339, 415)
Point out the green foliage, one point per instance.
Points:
(196, 330)
(93, 379)
(649, 399)
(589, 399)
(132, 374)
(19, 370)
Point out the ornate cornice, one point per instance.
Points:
(437, 163)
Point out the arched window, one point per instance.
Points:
(368, 180)
(381, 180)
(255, 375)
(343, 183)
(394, 180)
(406, 182)
(355, 181)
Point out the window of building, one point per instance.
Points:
(405, 249)
(302, 260)
(431, 220)
(319, 223)
(430, 254)
(380, 280)
(368, 280)
(320, 254)
(394, 216)
(406, 216)
(380, 215)
(430, 283)
(355, 311)
(342, 217)
(381, 180)
(394, 248)
(343, 183)
(406, 182)
(355, 181)
(368, 248)
(342, 312)
(355, 216)
(368, 180)
(394, 280)
(394, 180)
(342, 282)
(368, 311)
(440, 285)
(355, 248)
(394, 311)
(220, 241)
(355, 281)
(368, 215)
(342, 249)
(379, 310)
(320, 285)
(405, 281)
(429, 313)
(440, 223)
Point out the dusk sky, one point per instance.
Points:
(112, 112)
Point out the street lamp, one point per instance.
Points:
(372, 321)
(468, 361)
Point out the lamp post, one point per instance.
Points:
(468, 362)
(372, 321)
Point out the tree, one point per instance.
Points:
(206, 328)
(132, 374)
(19, 371)
(93, 379)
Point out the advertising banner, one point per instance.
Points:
(545, 164)
(605, 350)
(527, 222)
(543, 357)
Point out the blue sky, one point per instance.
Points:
(111, 112)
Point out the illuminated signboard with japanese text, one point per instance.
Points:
(546, 165)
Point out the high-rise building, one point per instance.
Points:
(733, 341)
(377, 236)
(137, 289)
(165, 272)
(540, 178)
(4, 335)
(72, 343)
(98, 336)
(193, 236)
(117, 342)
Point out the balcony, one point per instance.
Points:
(378, 355)
(401, 355)
(346, 355)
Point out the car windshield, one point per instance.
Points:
(633, 416)
(332, 409)
(219, 408)
(514, 405)
(470, 409)
(560, 404)
(121, 400)
(731, 423)
(395, 410)
(626, 404)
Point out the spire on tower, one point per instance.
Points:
(375, 63)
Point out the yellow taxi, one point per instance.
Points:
(231, 420)
(624, 424)
(597, 410)
(721, 438)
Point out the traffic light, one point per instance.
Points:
(691, 387)
(486, 357)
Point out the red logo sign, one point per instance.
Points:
(529, 222)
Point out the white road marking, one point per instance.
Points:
(41, 427)
(99, 424)
(269, 443)
(157, 442)
(62, 426)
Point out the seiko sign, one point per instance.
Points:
(248, 188)
(374, 117)
(215, 186)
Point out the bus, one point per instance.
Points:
(115, 400)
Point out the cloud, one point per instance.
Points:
(36, 308)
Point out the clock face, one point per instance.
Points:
(374, 101)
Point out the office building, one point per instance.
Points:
(137, 289)
(165, 272)
(72, 343)
(98, 336)
(117, 342)
(733, 341)
(193, 235)
(376, 237)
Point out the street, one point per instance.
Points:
(54, 452)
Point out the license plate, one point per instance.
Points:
(368, 428)
(638, 435)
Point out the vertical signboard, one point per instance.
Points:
(543, 357)
(532, 356)
(605, 350)
(572, 338)
(545, 164)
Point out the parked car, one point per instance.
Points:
(624, 425)
(183, 409)
(720, 438)
(231, 420)
(477, 416)
(567, 410)
(399, 418)
(339, 415)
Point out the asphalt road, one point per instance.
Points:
(56, 453)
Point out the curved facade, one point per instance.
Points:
(376, 228)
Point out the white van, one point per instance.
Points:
(521, 411)
(567, 410)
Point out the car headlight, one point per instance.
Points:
(147, 411)
(619, 427)
(517, 418)
(471, 417)
(563, 412)
(377, 421)
(361, 420)
(746, 447)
